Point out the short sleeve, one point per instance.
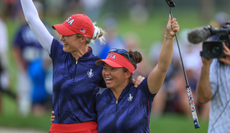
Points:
(145, 89)
(213, 76)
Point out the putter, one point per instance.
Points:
(188, 89)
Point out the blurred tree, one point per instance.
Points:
(207, 8)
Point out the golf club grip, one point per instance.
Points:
(192, 106)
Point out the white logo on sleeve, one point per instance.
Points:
(90, 73)
(130, 98)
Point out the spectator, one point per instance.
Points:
(32, 62)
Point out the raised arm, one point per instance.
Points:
(157, 76)
(36, 25)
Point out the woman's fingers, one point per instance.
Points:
(52, 117)
(138, 81)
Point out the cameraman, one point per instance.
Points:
(214, 86)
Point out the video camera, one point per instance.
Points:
(214, 48)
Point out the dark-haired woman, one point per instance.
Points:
(121, 108)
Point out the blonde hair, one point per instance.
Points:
(98, 34)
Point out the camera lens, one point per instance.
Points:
(212, 49)
(215, 50)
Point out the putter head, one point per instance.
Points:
(170, 3)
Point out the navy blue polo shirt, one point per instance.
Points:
(130, 114)
(74, 85)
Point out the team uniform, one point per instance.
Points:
(74, 89)
(130, 114)
(219, 116)
(75, 83)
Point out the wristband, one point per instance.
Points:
(169, 37)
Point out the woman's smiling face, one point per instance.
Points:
(70, 43)
(114, 76)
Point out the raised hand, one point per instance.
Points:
(172, 27)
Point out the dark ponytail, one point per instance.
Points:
(135, 57)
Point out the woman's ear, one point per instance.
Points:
(83, 39)
(128, 74)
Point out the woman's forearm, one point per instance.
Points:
(36, 25)
(166, 54)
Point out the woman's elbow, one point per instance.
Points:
(28, 19)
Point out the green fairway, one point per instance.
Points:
(176, 123)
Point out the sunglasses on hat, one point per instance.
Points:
(120, 51)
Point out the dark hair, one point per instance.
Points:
(135, 58)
